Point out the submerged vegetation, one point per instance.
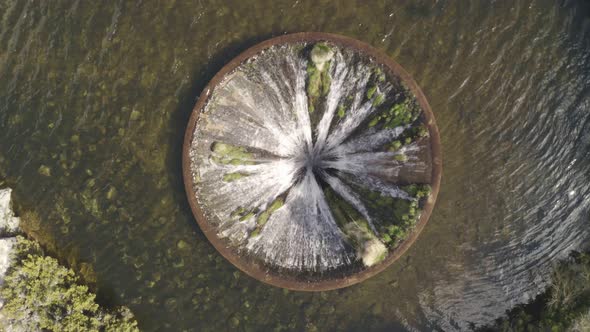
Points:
(565, 305)
(264, 215)
(261, 216)
(399, 218)
(42, 295)
(318, 76)
(229, 177)
(360, 234)
(401, 114)
(400, 215)
(373, 90)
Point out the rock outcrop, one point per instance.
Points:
(8, 222)
(9, 228)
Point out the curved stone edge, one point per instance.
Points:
(259, 271)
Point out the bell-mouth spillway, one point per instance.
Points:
(312, 161)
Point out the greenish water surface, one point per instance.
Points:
(95, 97)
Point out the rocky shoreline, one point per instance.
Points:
(9, 229)
(38, 293)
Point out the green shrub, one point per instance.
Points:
(40, 294)
(565, 306)
(582, 323)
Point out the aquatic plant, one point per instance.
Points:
(318, 76)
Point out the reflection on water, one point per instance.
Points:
(94, 100)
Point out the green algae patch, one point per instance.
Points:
(410, 135)
(227, 154)
(321, 54)
(379, 99)
(247, 216)
(379, 75)
(229, 177)
(112, 193)
(265, 215)
(44, 170)
(341, 111)
(401, 157)
(418, 190)
(318, 85)
(371, 91)
(371, 250)
(404, 218)
(318, 76)
(395, 217)
(395, 145)
(314, 81)
(400, 114)
(239, 213)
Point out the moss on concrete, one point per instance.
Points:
(229, 177)
(318, 75)
(265, 215)
(228, 154)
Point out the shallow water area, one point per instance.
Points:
(95, 98)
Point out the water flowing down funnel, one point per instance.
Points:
(312, 161)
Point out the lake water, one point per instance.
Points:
(94, 100)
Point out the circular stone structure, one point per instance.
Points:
(312, 161)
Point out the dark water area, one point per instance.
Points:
(95, 97)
